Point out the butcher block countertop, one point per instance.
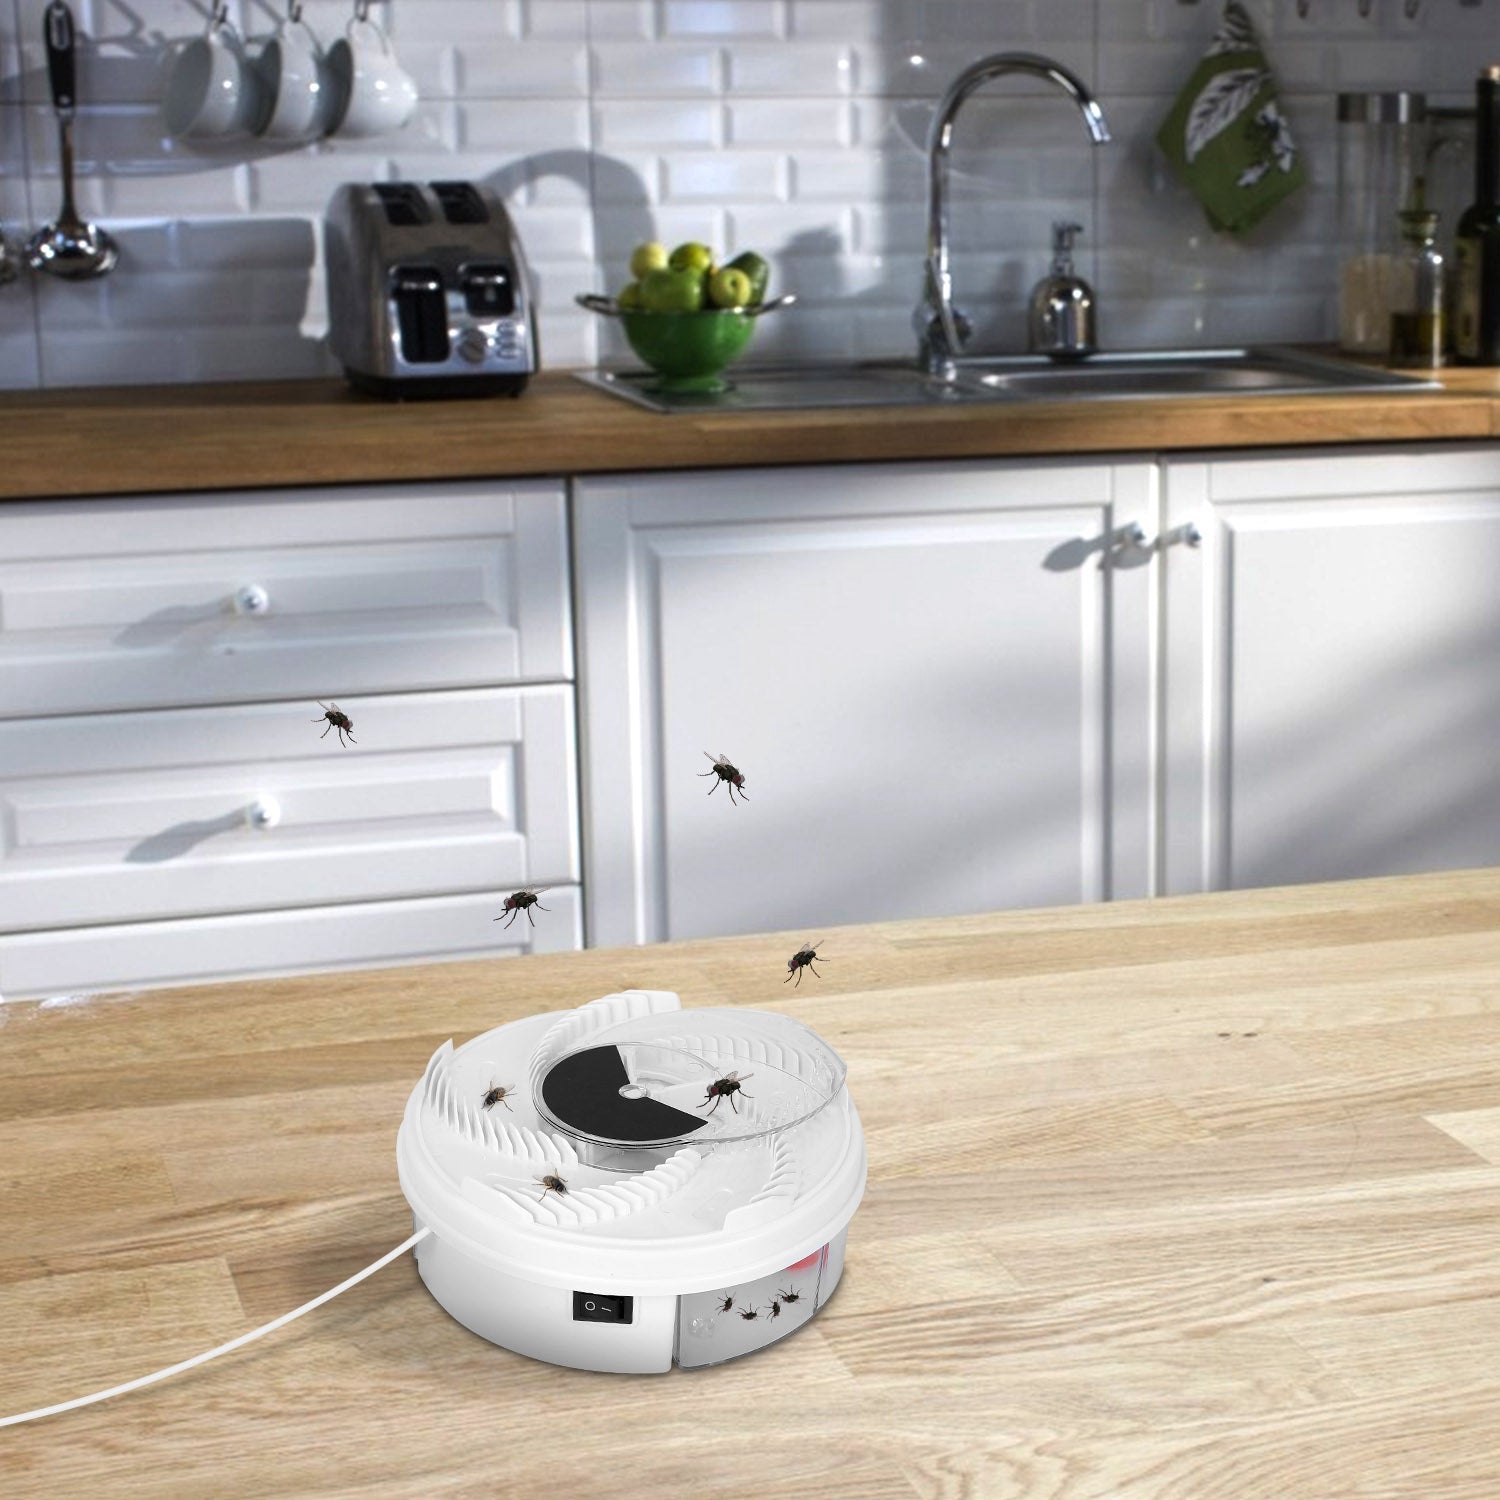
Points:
(1177, 1200)
(155, 439)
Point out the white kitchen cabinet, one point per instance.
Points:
(308, 939)
(1332, 665)
(935, 678)
(161, 601)
(182, 812)
(168, 810)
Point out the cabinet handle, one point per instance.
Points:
(264, 812)
(1187, 534)
(252, 600)
(1128, 538)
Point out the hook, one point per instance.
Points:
(294, 11)
(221, 13)
(361, 10)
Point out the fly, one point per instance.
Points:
(749, 1314)
(727, 775)
(792, 1296)
(725, 1088)
(519, 901)
(552, 1183)
(336, 720)
(727, 1305)
(803, 959)
(497, 1094)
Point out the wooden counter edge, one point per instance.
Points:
(189, 439)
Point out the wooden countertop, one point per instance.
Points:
(1184, 1200)
(151, 439)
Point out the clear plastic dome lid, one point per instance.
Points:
(688, 1078)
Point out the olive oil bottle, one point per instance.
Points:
(1476, 335)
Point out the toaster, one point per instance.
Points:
(428, 290)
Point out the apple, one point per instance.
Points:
(672, 291)
(651, 256)
(691, 256)
(729, 288)
(629, 299)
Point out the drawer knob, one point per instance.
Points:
(252, 600)
(264, 812)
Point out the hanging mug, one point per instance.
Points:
(213, 90)
(375, 95)
(297, 82)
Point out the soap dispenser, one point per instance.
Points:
(1061, 321)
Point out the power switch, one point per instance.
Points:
(602, 1307)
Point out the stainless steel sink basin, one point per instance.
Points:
(1170, 372)
(978, 379)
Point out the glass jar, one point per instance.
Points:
(1381, 148)
(1416, 289)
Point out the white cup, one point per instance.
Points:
(212, 90)
(297, 84)
(374, 94)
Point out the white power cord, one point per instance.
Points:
(244, 1338)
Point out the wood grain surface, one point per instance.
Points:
(1195, 1199)
(161, 439)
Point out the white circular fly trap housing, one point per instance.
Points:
(694, 1223)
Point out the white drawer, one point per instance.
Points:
(133, 817)
(166, 601)
(144, 955)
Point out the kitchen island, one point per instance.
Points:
(1193, 1197)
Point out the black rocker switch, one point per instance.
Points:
(602, 1307)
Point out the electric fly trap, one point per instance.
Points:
(629, 1185)
(647, 1186)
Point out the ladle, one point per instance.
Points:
(68, 247)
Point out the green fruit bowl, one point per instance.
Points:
(688, 350)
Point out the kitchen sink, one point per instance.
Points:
(1171, 372)
(978, 379)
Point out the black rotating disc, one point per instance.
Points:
(582, 1092)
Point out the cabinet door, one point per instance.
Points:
(1331, 695)
(934, 678)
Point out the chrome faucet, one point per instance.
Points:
(941, 327)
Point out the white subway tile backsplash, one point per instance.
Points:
(844, 20)
(793, 127)
(103, 357)
(790, 122)
(633, 123)
(539, 70)
(303, 183)
(238, 244)
(621, 20)
(558, 234)
(722, 18)
(787, 230)
(617, 231)
(554, 19)
(624, 179)
(723, 176)
(656, 70)
(505, 129)
(791, 70)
